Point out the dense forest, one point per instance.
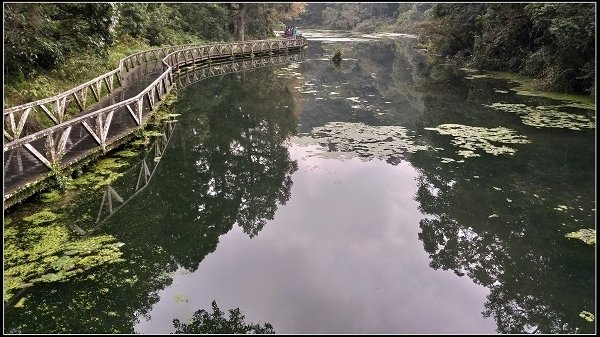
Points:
(44, 34)
(44, 42)
(552, 42)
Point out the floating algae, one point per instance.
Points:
(126, 154)
(152, 134)
(588, 316)
(48, 253)
(42, 216)
(472, 77)
(471, 138)
(357, 139)
(527, 87)
(446, 160)
(586, 235)
(50, 196)
(102, 174)
(546, 116)
(181, 298)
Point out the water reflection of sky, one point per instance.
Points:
(342, 256)
(345, 36)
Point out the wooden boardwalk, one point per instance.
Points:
(91, 119)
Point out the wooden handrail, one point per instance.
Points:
(50, 146)
(166, 73)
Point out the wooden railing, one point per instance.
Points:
(193, 75)
(49, 146)
(55, 107)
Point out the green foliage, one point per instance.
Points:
(259, 20)
(49, 253)
(50, 196)
(503, 43)
(451, 28)
(164, 20)
(72, 72)
(564, 36)
(373, 25)
(208, 21)
(103, 173)
(552, 42)
(52, 47)
(39, 35)
(133, 19)
(204, 322)
(358, 16)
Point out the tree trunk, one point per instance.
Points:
(242, 21)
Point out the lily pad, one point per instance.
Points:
(64, 262)
(51, 253)
(153, 134)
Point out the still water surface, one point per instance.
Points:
(326, 199)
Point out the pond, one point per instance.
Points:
(390, 194)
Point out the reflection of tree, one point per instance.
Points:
(515, 248)
(504, 240)
(203, 322)
(110, 300)
(231, 166)
(225, 164)
(509, 238)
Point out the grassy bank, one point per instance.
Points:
(74, 71)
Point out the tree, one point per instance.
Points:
(208, 21)
(555, 43)
(42, 35)
(133, 19)
(564, 39)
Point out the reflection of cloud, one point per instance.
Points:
(333, 36)
(342, 256)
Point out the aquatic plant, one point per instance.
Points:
(588, 316)
(102, 174)
(50, 196)
(586, 235)
(546, 116)
(49, 253)
(470, 138)
(42, 216)
(345, 140)
(126, 154)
